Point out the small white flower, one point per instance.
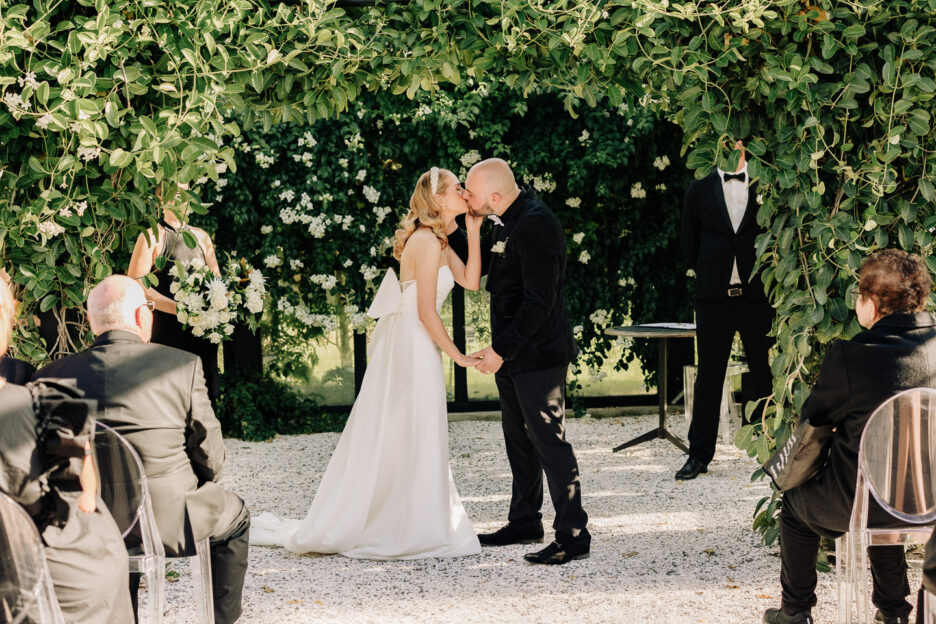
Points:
(469, 158)
(343, 162)
(361, 175)
(760, 199)
(80, 208)
(272, 261)
(295, 264)
(584, 138)
(372, 194)
(266, 229)
(578, 237)
(690, 273)
(499, 247)
(584, 257)
(28, 79)
(65, 212)
(50, 228)
(637, 191)
(197, 264)
(599, 317)
(275, 183)
(573, 202)
(346, 263)
(661, 162)
(660, 187)
(44, 121)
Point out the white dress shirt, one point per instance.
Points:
(736, 200)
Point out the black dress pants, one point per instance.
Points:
(533, 418)
(800, 533)
(229, 545)
(717, 321)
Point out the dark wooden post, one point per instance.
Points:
(458, 337)
(360, 360)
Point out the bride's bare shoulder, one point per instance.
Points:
(422, 241)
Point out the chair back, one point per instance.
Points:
(123, 481)
(24, 576)
(897, 456)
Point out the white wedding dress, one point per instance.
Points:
(388, 491)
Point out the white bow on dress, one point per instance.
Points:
(387, 299)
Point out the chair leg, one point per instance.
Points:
(155, 572)
(201, 578)
(841, 584)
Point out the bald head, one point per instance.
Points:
(491, 186)
(118, 302)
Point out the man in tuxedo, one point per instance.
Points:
(719, 227)
(156, 397)
(531, 349)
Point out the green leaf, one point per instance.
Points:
(190, 241)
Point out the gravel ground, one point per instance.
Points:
(662, 551)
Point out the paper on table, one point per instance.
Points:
(670, 325)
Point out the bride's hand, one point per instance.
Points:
(467, 361)
(473, 222)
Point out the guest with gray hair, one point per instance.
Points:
(155, 396)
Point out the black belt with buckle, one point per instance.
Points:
(734, 291)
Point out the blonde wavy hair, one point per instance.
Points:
(425, 211)
(7, 315)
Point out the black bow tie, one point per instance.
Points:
(735, 176)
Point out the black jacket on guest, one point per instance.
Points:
(858, 375)
(156, 397)
(529, 324)
(710, 243)
(16, 371)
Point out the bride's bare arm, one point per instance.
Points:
(468, 275)
(141, 263)
(427, 253)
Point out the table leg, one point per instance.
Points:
(661, 385)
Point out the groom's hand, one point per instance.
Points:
(490, 361)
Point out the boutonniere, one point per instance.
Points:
(500, 247)
(496, 220)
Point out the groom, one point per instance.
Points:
(531, 349)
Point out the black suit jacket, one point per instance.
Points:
(710, 243)
(529, 324)
(856, 377)
(156, 397)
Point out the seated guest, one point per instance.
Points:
(46, 466)
(13, 370)
(896, 353)
(155, 396)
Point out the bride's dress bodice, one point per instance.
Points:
(444, 286)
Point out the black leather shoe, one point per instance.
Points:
(692, 469)
(511, 534)
(557, 553)
(777, 616)
(880, 618)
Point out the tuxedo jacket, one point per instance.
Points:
(155, 396)
(858, 375)
(710, 243)
(526, 263)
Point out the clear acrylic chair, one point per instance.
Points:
(729, 420)
(25, 583)
(897, 468)
(125, 492)
(929, 607)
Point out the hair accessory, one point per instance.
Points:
(434, 180)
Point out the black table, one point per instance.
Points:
(662, 332)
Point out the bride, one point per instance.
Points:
(388, 491)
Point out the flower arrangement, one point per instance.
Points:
(209, 305)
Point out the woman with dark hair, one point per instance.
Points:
(895, 353)
(46, 466)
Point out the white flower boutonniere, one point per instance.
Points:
(500, 247)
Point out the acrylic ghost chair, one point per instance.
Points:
(25, 583)
(897, 468)
(125, 492)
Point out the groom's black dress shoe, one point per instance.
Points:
(692, 469)
(512, 534)
(558, 553)
(777, 616)
(880, 618)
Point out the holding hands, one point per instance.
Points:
(489, 361)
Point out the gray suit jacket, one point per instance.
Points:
(155, 396)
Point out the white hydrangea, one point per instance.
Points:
(578, 237)
(295, 264)
(361, 175)
(272, 261)
(584, 257)
(287, 195)
(469, 158)
(372, 194)
(637, 191)
(661, 162)
(317, 226)
(600, 317)
(369, 272)
(573, 202)
(381, 212)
